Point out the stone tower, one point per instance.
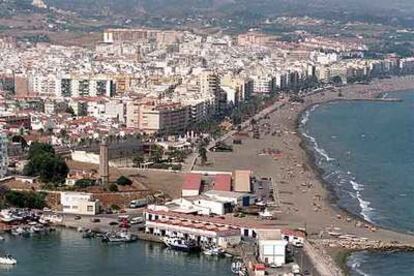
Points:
(104, 162)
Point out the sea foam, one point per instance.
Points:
(316, 147)
(366, 210)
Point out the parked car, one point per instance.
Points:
(136, 220)
(77, 217)
(113, 223)
(123, 217)
(95, 220)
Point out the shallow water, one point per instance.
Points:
(366, 150)
(369, 263)
(66, 253)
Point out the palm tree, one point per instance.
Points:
(138, 160)
(202, 153)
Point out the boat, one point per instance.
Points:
(7, 260)
(51, 218)
(2, 238)
(181, 244)
(121, 237)
(36, 228)
(236, 267)
(266, 214)
(214, 251)
(20, 231)
(7, 216)
(88, 235)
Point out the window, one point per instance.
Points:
(89, 208)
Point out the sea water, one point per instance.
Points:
(65, 253)
(366, 152)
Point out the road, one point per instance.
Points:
(104, 224)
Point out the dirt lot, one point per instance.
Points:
(166, 182)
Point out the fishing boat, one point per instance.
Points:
(7, 260)
(88, 235)
(7, 216)
(214, 251)
(121, 237)
(36, 228)
(51, 218)
(20, 231)
(181, 244)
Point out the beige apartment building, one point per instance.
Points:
(154, 117)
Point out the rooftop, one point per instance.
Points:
(192, 182)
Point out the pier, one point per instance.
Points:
(395, 100)
(362, 244)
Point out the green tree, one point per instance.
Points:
(178, 155)
(113, 188)
(36, 148)
(202, 153)
(20, 139)
(84, 183)
(156, 154)
(138, 160)
(30, 200)
(43, 162)
(123, 181)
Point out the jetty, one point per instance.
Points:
(358, 244)
(379, 99)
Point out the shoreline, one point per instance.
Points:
(306, 147)
(305, 198)
(341, 255)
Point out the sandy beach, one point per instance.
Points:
(304, 198)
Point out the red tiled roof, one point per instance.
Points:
(222, 182)
(192, 181)
(290, 232)
(222, 220)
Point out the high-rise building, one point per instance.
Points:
(3, 155)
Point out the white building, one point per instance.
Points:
(201, 205)
(3, 155)
(272, 247)
(238, 199)
(79, 203)
(198, 230)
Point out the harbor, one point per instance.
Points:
(263, 211)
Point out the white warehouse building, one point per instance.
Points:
(79, 203)
(272, 247)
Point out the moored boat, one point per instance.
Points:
(214, 251)
(237, 267)
(181, 244)
(7, 260)
(121, 237)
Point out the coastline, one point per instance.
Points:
(341, 255)
(306, 147)
(305, 199)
